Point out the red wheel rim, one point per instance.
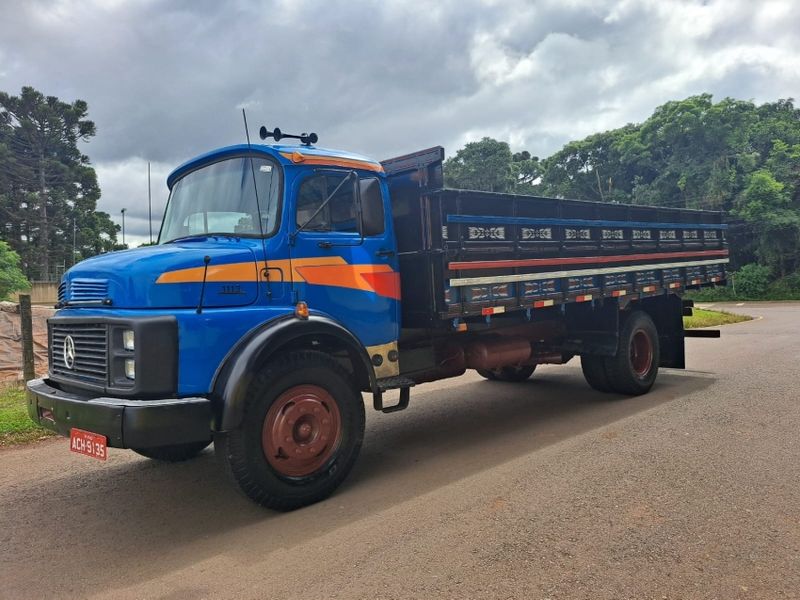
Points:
(641, 353)
(301, 431)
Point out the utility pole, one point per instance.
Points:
(74, 235)
(149, 203)
(123, 225)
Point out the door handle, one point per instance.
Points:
(384, 252)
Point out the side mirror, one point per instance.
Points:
(357, 199)
(371, 200)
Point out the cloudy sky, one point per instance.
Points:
(166, 80)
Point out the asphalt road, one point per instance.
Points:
(479, 490)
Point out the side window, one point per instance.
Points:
(311, 196)
(340, 212)
(371, 206)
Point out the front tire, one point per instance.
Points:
(174, 453)
(302, 430)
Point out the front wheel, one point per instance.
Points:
(301, 433)
(174, 453)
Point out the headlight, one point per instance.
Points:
(130, 368)
(127, 340)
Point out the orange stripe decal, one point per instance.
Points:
(245, 271)
(384, 283)
(352, 163)
(358, 277)
(321, 270)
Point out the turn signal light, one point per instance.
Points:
(301, 310)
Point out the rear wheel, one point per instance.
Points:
(594, 370)
(634, 368)
(174, 453)
(489, 374)
(511, 374)
(300, 435)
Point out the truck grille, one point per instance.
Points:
(91, 351)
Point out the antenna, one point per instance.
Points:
(258, 204)
(305, 138)
(149, 202)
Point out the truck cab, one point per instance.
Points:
(273, 300)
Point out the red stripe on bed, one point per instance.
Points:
(576, 260)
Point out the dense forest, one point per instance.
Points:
(48, 188)
(733, 156)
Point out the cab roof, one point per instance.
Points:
(284, 154)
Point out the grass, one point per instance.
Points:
(711, 318)
(16, 426)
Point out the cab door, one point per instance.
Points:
(344, 258)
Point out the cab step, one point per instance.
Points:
(393, 383)
(404, 384)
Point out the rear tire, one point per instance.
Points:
(302, 430)
(487, 374)
(174, 453)
(634, 368)
(594, 370)
(510, 374)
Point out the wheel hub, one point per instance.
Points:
(301, 431)
(641, 353)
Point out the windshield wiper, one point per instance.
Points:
(203, 235)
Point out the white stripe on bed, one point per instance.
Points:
(461, 281)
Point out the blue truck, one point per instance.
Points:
(290, 279)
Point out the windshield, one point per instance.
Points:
(220, 199)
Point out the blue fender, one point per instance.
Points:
(244, 361)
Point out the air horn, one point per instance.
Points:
(305, 138)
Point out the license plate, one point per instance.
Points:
(88, 443)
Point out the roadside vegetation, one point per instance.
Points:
(16, 426)
(752, 282)
(12, 278)
(712, 318)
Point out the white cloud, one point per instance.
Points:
(124, 185)
(166, 80)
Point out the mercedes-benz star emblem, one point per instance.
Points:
(69, 352)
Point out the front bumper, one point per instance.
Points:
(126, 423)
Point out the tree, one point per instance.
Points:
(590, 169)
(765, 205)
(11, 277)
(526, 172)
(483, 165)
(48, 189)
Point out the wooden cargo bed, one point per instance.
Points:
(466, 254)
